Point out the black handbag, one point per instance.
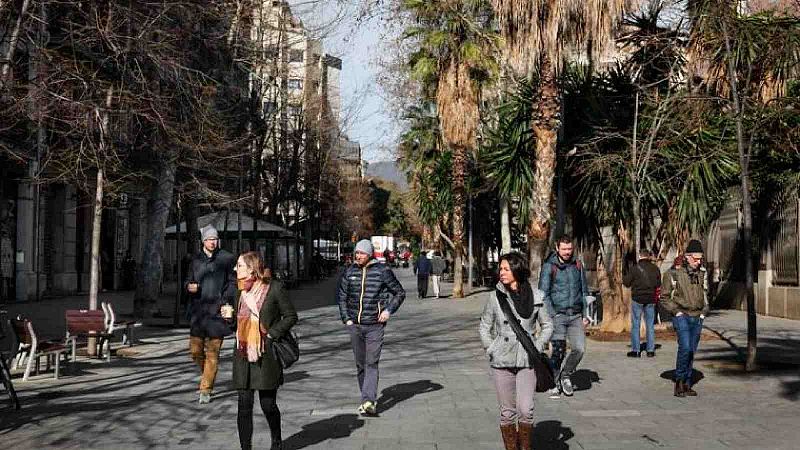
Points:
(285, 349)
(545, 380)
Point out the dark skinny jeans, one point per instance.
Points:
(245, 415)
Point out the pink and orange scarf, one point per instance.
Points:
(250, 337)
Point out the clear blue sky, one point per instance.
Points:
(357, 45)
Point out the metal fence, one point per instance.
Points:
(785, 261)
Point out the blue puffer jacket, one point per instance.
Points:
(364, 292)
(564, 285)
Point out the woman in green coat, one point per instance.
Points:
(264, 313)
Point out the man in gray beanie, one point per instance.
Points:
(211, 284)
(368, 294)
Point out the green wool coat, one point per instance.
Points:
(278, 316)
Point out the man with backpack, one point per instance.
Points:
(563, 282)
(644, 279)
(684, 293)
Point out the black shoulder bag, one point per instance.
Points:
(538, 362)
(285, 349)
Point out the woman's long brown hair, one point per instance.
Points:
(255, 263)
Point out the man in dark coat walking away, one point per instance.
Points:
(422, 267)
(211, 284)
(644, 279)
(367, 295)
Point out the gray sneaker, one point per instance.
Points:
(205, 397)
(566, 387)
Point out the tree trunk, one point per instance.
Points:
(459, 200)
(12, 44)
(94, 271)
(616, 304)
(192, 233)
(505, 227)
(152, 267)
(545, 129)
(747, 215)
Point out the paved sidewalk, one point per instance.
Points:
(436, 392)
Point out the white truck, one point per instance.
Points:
(382, 243)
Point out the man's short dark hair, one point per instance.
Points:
(564, 239)
(518, 264)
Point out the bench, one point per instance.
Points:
(113, 324)
(32, 349)
(88, 323)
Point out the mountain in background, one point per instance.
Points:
(389, 171)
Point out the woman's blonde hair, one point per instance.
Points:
(255, 263)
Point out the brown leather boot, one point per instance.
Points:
(525, 436)
(679, 389)
(687, 389)
(509, 433)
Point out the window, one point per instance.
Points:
(295, 56)
(295, 83)
(293, 111)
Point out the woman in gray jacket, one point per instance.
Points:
(513, 376)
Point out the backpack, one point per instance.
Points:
(554, 269)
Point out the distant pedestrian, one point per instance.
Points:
(368, 294)
(684, 293)
(265, 312)
(644, 279)
(512, 371)
(563, 282)
(210, 284)
(437, 269)
(422, 267)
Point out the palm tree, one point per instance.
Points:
(539, 34)
(452, 61)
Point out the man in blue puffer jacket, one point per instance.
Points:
(367, 295)
(563, 282)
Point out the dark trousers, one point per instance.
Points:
(422, 285)
(367, 342)
(244, 417)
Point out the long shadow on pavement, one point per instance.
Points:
(393, 395)
(336, 427)
(551, 435)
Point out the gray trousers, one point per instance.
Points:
(367, 342)
(515, 389)
(567, 327)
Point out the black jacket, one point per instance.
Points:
(643, 279)
(364, 292)
(217, 283)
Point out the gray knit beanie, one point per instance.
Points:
(364, 246)
(209, 232)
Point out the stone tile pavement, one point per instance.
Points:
(436, 392)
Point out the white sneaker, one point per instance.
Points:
(554, 393)
(566, 386)
(205, 397)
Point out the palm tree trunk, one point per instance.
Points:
(545, 129)
(616, 305)
(459, 200)
(505, 227)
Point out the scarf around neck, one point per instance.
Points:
(522, 299)
(249, 336)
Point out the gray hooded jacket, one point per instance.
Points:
(498, 338)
